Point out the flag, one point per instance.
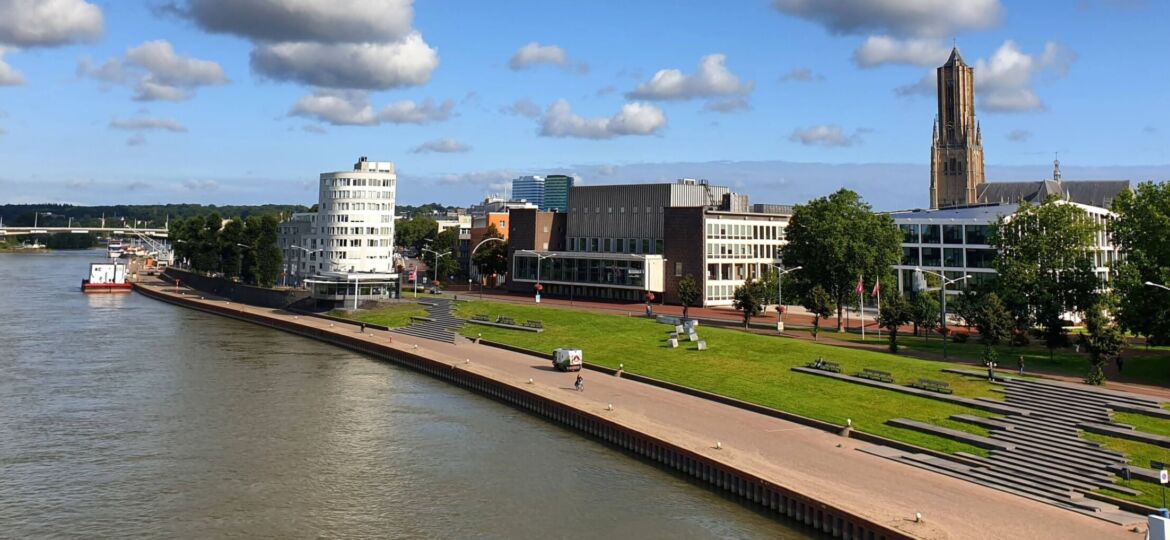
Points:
(860, 287)
(877, 288)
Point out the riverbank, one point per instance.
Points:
(791, 469)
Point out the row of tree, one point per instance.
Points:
(1045, 266)
(149, 215)
(244, 248)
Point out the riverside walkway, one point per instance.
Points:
(818, 465)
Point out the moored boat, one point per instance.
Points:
(106, 277)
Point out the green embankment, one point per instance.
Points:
(745, 366)
(394, 316)
(1140, 455)
(1140, 365)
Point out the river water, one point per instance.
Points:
(122, 416)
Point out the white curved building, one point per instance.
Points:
(355, 218)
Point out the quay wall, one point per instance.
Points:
(781, 501)
(236, 292)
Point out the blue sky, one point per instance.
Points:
(233, 101)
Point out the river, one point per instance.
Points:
(122, 416)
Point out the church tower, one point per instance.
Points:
(956, 150)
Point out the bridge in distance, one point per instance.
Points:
(17, 231)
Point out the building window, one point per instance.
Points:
(931, 234)
(645, 245)
(658, 246)
(953, 257)
(952, 234)
(678, 269)
(607, 245)
(621, 245)
(594, 244)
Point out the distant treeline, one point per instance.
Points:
(156, 215)
(149, 215)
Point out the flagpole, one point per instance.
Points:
(861, 304)
(877, 289)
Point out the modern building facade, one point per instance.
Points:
(529, 188)
(621, 242)
(556, 192)
(350, 239)
(954, 242)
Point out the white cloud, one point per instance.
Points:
(48, 23)
(728, 105)
(342, 44)
(442, 146)
(8, 75)
(368, 66)
(522, 107)
(143, 123)
(1019, 135)
(829, 135)
(921, 18)
(801, 75)
(711, 79)
(534, 54)
(334, 21)
(158, 73)
(633, 119)
(353, 108)
(1004, 82)
(879, 50)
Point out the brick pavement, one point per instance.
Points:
(820, 465)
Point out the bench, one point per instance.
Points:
(825, 365)
(533, 324)
(479, 318)
(934, 386)
(505, 320)
(875, 375)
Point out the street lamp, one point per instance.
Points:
(539, 263)
(1152, 284)
(943, 303)
(780, 293)
(240, 263)
(437, 255)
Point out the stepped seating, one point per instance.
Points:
(439, 324)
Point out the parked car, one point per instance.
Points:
(435, 290)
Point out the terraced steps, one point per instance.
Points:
(439, 324)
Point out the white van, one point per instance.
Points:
(567, 359)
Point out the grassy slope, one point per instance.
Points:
(746, 366)
(394, 316)
(1147, 366)
(1140, 454)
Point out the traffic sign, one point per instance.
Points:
(1164, 476)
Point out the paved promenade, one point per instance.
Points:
(819, 465)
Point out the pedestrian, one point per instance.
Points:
(580, 384)
(363, 328)
(990, 371)
(1021, 365)
(1119, 362)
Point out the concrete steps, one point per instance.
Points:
(1109, 395)
(1089, 472)
(439, 325)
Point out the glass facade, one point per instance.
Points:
(601, 270)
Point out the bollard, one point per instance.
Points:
(718, 445)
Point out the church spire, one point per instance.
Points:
(956, 58)
(1056, 168)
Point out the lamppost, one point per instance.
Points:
(540, 262)
(240, 263)
(437, 255)
(780, 293)
(1152, 284)
(943, 303)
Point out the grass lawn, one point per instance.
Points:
(1141, 422)
(394, 315)
(1141, 365)
(1140, 454)
(749, 367)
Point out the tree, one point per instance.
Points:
(838, 239)
(688, 293)
(492, 257)
(269, 257)
(1104, 342)
(894, 313)
(994, 322)
(230, 239)
(448, 265)
(924, 312)
(964, 305)
(1142, 231)
(414, 232)
(1045, 262)
(749, 298)
(819, 303)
